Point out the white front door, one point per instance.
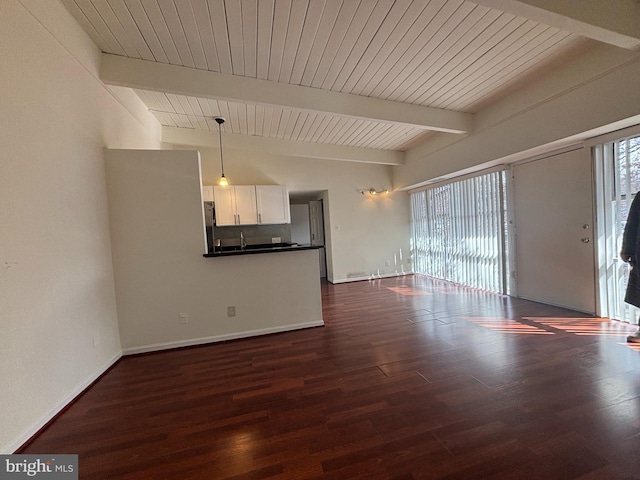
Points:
(553, 211)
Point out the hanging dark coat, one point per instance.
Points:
(631, 247)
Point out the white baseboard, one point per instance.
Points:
(17, 443)
(371, 277)
(219, 338)
(568, 307)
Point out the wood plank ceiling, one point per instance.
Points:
(447, 54)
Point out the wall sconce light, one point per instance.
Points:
(373, 191)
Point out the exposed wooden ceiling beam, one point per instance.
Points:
(203, 138)
(146, 75)
(616, 22)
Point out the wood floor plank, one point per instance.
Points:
(410, 378)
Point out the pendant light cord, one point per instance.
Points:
(223, 179)
(220, 139)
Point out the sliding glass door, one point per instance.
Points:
(618, 181)
(459, 234)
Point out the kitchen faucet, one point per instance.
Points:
(242, 241)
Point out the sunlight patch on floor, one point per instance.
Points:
(505, 325)
(585, 326)
(408, 291)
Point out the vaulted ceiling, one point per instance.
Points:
(374, 74)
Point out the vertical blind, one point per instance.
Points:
(618, 181)
(458, 232)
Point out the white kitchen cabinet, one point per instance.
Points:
(251, 205)
(273, 204)
(207, 193)
(246, 207)
(235, 205)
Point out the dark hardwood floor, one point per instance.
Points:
(410, 378)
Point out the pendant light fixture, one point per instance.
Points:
(223, 180)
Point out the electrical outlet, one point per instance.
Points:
(184, 318)
(231, 311)
(387, 263)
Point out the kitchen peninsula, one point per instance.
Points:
(167, 294)
(255, 249)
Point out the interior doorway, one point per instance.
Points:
(307, 225)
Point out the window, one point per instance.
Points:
(458, 232)
(618, 181)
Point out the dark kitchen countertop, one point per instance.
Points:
(265, 248)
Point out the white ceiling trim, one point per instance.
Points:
(616, 22)
(147, 75)
(276, 146)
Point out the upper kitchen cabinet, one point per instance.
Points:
(273, 204)
(251, 205)
(207, 194)
(235, 205)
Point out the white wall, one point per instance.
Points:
(58, 319)
(157, 231)
(364, 235)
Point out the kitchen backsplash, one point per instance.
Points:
(253, 234)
